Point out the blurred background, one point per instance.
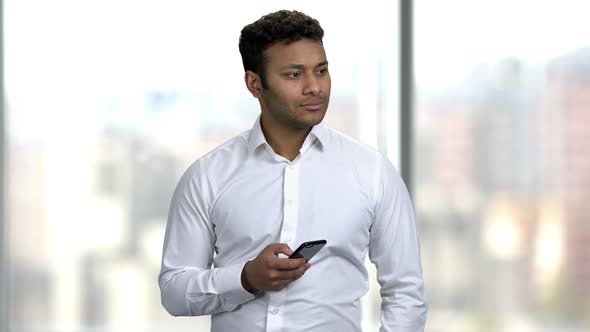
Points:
(106, 103)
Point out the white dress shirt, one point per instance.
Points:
(240, 197)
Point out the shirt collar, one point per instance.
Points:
(320, 131)
(256, 139)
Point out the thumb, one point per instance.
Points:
(280, 248)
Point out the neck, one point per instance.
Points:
(284, 141)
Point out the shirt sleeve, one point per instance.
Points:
(395, 251)
(188, 284)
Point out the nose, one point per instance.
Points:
(312, 85)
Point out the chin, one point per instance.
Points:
(310, 122)
(303, 120)
(315, 117)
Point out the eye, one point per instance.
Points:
(293, 75)
(323, 71)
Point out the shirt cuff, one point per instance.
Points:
(229, 285)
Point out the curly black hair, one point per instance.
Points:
(281, 26)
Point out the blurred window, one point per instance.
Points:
(108, 102)
(502, 155)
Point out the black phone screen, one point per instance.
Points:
(308, 249)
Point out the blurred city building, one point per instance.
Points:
(502, 169)
(502, 159)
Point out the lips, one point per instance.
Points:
(313, 105)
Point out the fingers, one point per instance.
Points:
(269, 272)
(288, 263)
(292, 274)
(274, 262)
(279, 248)
(279, 284)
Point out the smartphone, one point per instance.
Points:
(308, 249)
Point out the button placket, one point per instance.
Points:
(290, 209)
(288, 234)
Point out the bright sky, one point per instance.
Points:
(452, 35)
(89, 50)
(92, 49)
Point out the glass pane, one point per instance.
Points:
(108, 102)
(503, 163)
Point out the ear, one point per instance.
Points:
(253, 83)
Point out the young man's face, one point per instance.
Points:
(298, 84)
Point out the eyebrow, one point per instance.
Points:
(297, 66)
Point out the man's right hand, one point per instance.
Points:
(268, 272)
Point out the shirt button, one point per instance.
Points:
(290, 202)
(274, 311)
(291, 166)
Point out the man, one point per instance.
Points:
(290, 179)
